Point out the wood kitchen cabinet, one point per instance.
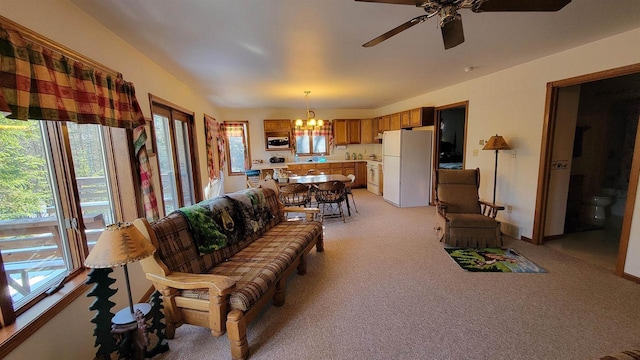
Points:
(405, 119)
(346, 131)
(395, 122)
(277, 131)
(385, 123)
(361, 174)
(368, 131)
(354, 131)
(277, 125)
(423, 116)
(358, 168)
(340, 136)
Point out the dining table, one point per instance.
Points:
(318, 179)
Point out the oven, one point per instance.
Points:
(373, 177)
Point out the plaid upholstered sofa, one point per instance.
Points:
(223, 284)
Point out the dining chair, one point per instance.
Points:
(349, 190)
(330, 193)
(314, 172)
(295, 195)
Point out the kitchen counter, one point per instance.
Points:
(268, 165)
(324, 162)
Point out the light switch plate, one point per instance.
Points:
(475, 152)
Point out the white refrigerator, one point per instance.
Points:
(407, 167)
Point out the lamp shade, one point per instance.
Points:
(119, 244)
(496, 142)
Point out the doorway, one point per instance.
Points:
(450, 137)
(586, 177)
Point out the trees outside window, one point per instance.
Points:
(174, 139)
(55, 199)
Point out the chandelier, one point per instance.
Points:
(311, 123)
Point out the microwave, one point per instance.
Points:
(277, 142)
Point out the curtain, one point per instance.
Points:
(39, 83)
(213, 136)
(230, 129)
(146, 176)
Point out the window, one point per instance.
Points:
(312, 142)
(56, 197)
(174, 141)
(236, 136)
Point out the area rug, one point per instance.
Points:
(493, 260)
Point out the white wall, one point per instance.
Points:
(512, 104)
(70, 334)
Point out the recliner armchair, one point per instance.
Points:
(463, 219)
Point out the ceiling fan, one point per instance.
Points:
(451, 21)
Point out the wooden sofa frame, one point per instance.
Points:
(215, 313)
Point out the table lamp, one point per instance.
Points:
(120, 244)
(496, 143)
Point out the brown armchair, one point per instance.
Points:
(463, 219)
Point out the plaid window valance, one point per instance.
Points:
(41, 84)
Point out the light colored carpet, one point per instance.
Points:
(385, 289)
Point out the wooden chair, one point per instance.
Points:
(295, 195)
(348, 189)
(330, 193)
(314, 172)
(462, 222)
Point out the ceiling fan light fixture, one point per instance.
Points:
(448, 14)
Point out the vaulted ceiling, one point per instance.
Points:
(266, 53)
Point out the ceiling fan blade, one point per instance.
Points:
(415, 21)
(399, 2)
(522, 5)
(452, 34)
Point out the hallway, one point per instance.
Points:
(598, 247)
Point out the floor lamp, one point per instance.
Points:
(120, 244)
(496, 143)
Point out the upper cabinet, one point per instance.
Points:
(423, 116)
(384, 123)
(354, 131)
(340, 136)
(277, 125)
(277, 134)
(346, 131)
(395, 122)
(369, 128)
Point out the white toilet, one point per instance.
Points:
(594, 209)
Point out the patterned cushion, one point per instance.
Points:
(262, 263)
(625, 355)
(178, 250)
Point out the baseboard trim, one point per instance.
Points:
(633, 278)
(524, 238)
